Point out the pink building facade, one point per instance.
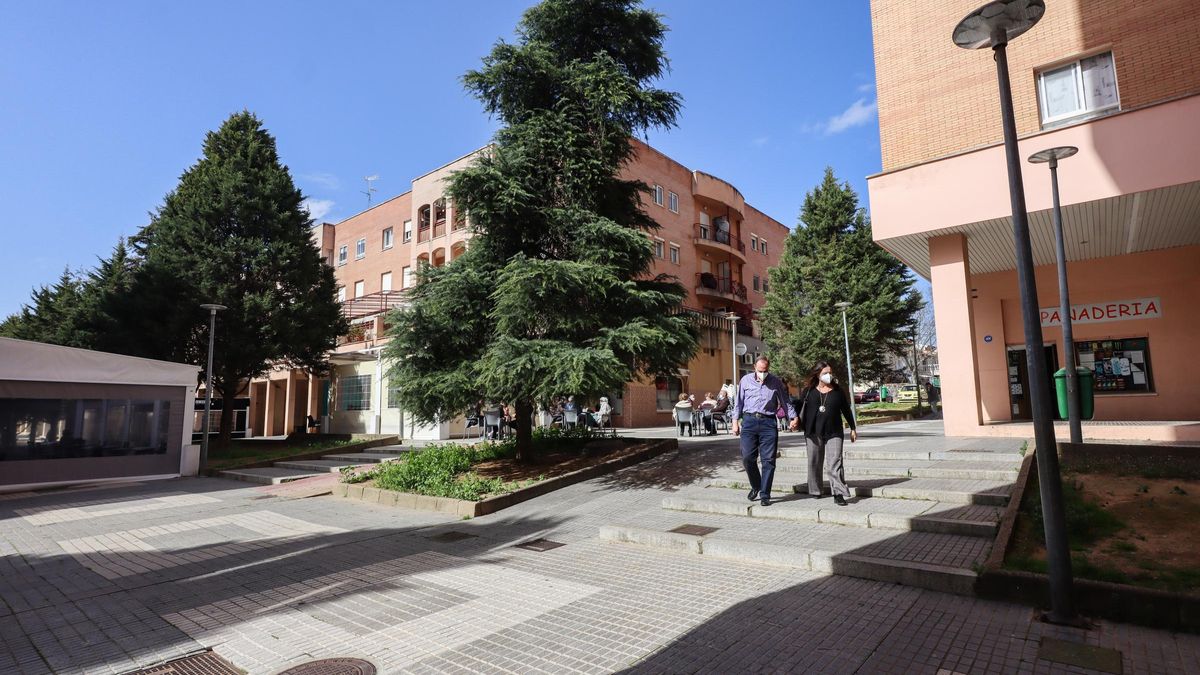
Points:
(1113, 84)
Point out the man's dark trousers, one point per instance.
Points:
(760, 435)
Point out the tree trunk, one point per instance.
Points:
(228, 393)
(524, 431)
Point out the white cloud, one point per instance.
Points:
(760, 141)
(325, 180)
(860, 112)
(317, 208)
(866, 87)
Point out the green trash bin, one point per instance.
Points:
(1087, 407)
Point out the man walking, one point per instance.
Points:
(759, 396)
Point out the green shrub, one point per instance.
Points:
(1087, 522)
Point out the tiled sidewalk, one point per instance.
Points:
(112, 580)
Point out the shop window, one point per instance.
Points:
(1119, 366)
(1080, 89)
(667, 390)
(43, 428)
(354, 392)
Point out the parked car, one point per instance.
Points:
(869, 396)
(907, 393)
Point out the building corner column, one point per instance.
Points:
(950, 277)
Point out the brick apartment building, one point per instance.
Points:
(716, 244)
(1120, 81)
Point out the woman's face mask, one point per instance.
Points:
(827, 378)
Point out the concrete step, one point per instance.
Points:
(391, 449)
(270, 475)
(946, 490)
(324, 465)
(364, 457)
(852, 454)
(914, 469)
(883, 561)
(869, 512)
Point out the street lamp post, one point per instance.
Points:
(733, 317)
(212, 327)
(849, 370)
(916, 368)
(1074, 418)
(993, 25)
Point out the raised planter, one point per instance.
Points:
(462, 507)
(1114, 602)
(303, 455)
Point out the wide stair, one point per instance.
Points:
(288, 471)
(920, 518)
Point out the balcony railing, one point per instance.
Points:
(372, 303)
(717, 321)
(709, 233)
(722, 285)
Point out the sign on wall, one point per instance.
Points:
(1099, 312)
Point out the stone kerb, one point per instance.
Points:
(463, 507)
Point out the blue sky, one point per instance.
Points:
(106, 104)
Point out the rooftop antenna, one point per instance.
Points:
(370, 189)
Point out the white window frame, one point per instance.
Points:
(658, 194)
(360, 249)
(1083, 112)
(675, 254)
(672, 202)
(389, 238)
(659, 249)
(341, 294)
(407, 231)
(762, 246)
(406, 277)
(360, 287)
(753, 242)
(343, 253)
(385, 282)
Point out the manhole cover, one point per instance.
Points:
(332, 667)
(207, 663)
(698, 530)
(451, 536)
(540, 545)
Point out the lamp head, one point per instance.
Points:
(997, 23)
(1052, 154)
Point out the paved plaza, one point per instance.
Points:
(112, 579)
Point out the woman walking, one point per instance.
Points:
(824, 404)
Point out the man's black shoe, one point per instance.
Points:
(753, 494)
(839, 500)
(766, 501)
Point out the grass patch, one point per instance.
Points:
(252, 452)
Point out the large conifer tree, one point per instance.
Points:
(552, 296)
(831, 258)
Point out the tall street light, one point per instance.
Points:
(994, 25)
(212, 327)
(1051, 156)
(733, 317)
(849, 371)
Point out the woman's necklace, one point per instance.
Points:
(824, 395)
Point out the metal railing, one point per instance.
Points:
(724, 285)
(711, 233)
(372, 303)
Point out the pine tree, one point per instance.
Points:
(552, 296)
(234, 233)
(53, 314)
(831, 258)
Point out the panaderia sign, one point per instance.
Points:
(1099, 312)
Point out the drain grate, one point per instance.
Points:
(698, 530)
(207, 663)
(451, 536)
(540, 545)
(332, 667)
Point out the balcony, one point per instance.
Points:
(720, 287)
(705, 318)
(372, 303)
(721, 241)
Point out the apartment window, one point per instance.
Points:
(406, 277)
(407, 231)
(753, 243)
(393, 395)
(703, 231)
(762, 246)
(341, 293)
(673, 202)
(658, 195)
(666, 390)
(1085, 87)
(385, 282)
(765, 289)
(756, 283)
(658, 249)
(675, 254)
(360, 249)
(358, 289)
(342, 255)
(387, 238)
(354, 392)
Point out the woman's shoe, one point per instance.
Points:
(839, 500)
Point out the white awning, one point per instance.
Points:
(24, 361)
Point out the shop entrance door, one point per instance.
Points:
(1018, 379)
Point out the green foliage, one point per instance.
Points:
(54, 314)
(551, 298)
(1087, 521)
(439, 470)
(831, 258)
